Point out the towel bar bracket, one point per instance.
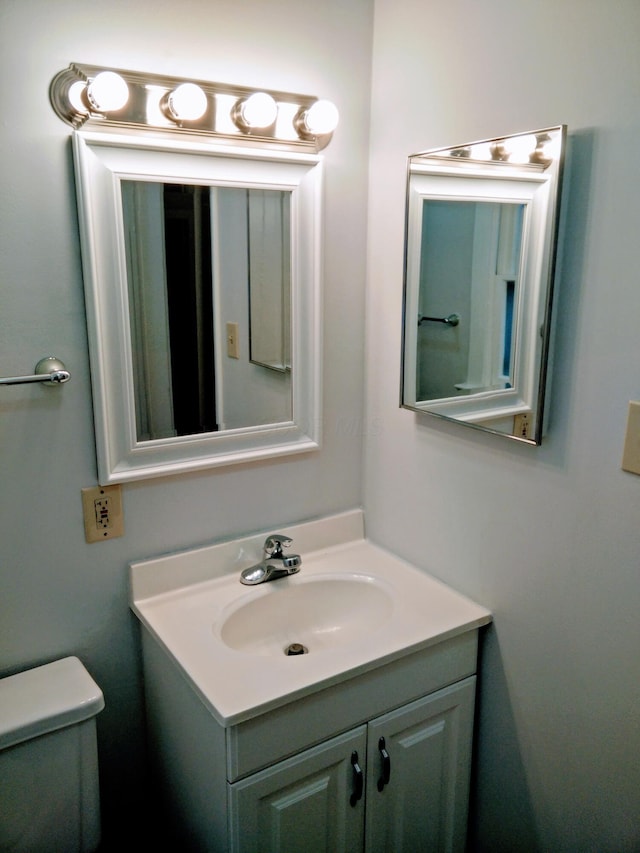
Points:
(49, 371)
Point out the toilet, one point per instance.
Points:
(49, 795)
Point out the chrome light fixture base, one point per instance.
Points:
(149, 106)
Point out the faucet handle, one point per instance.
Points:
(274, 544)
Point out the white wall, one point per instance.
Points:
(548, 538)
(59, 595)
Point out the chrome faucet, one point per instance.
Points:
(275, 564)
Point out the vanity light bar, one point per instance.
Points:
(537, 149)
(88, 95)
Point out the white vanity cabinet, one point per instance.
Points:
(424, 806)
(310, 802)
(399, 783)
(286, 780)
(362, 744)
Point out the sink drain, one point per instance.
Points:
(296, 649)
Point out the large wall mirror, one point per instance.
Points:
(201, 268)
(480, 249)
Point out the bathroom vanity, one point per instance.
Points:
(361, 744)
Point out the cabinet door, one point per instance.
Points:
(426, 757)
(312, 803)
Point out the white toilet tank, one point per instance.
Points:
(49, 795)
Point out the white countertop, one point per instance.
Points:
(181, 599)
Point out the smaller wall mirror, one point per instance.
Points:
(202, 279)
(480, 249)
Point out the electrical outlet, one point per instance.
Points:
(522, 425)
(631, 453)
(233, 344)
(103, 518)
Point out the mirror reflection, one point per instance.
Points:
(481, 232)
(468, 289)
(202, 273)
(209, 295)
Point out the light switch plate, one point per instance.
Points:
(233, 344)
(631, 454)
(522, 425)
(102, 508)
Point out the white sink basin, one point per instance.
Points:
(353, 605)
(299, 614)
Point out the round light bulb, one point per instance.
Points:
(322, 117)
(481, 151)
(520, 148)
(107, 92)
(548, 149)
(75, 96)
(499, 150)
(259, 110)
(187, 102)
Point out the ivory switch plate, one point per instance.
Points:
(233, 347)
(103, 518)
(521, 425)
(631, 453)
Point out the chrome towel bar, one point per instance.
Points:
(49, 370)
(451, 320)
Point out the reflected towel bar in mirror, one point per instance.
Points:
(449, 320)
(49, 370)
(481, 230)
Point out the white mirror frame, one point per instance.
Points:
(102, 160)
(538, 190)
